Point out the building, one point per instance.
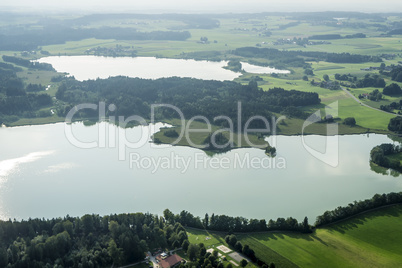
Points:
(170, 261)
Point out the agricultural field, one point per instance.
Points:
(371, 239)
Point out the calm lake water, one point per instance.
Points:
(43, 175)
(92, 67)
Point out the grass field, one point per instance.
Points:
(371, 239)
(368, 240)
(200, 236)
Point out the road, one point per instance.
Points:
(363, 104)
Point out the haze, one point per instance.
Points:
(210, 6)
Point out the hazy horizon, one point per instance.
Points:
(206, 6)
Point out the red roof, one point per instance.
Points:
(170, 261)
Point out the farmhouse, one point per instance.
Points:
(170, 261)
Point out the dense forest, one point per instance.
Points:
(336, 36)
(281, 59)
(88, 241)
(15, 101)
(28, 64)
(194, 97)
(56, 34)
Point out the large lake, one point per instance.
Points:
(43, 175)
(92, 67)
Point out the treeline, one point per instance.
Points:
(336, 36)
(370, 81)
(88, 241)
(392, 106)
(8, 66)
(194, 97)
(191, 21)
(233, 242)
(223, 223)
(277, 58)
(28, 63)
(282, 59)
(357, 207)
(378, 155)
(14, 99)
(56, 34)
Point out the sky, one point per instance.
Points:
(210, 6)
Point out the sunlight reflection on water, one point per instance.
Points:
(10, 166)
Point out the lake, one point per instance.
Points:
(43, 175)
(92, 67)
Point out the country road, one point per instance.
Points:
(363, 104)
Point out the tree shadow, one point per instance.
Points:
(359, 220)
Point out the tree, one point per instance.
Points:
(305, 78)
(192, 252)
(206, 221)
(169, 216)
(229, 265)
(393, 89)
(115, 253)
(238, 246)
(395, 124)
(215, 253)
(398, 78)
(243, 263)
(176, 244)
(87, 223)
(309, 72)
(114, 229)
(203, 250)
(326, 77)
(3, 257)
(305, 226)
(185, 245)
(350, 121)
(246, 250)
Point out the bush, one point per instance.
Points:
(395, 124)
(350, 121)
(393, 89)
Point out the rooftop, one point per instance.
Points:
(169, 261)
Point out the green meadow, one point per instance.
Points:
(371, 239)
